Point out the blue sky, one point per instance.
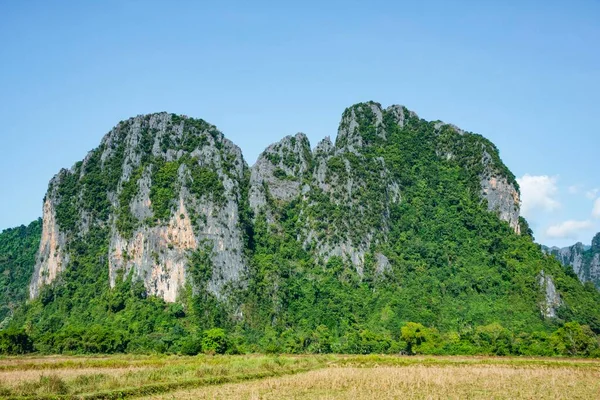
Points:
(525, 74)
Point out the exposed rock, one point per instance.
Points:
(51, 257)
(595, 248)
(157, 250)
(400, 114)
(278, 172)
(382, 264)
(551, 300)
(349, 134)
(585, 260)
(341, 173)
(502, 198)
(345, 194)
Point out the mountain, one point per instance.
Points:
(158, 187)
(399, 225)
(585, 260)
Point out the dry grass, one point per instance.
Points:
(299, 377)
(90, 376)
(414, 382)
(74, 362)
(15, 378)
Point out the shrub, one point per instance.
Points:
(575, 340)
(214, 341)
(419, 339)
(15, 342)
(190, 346)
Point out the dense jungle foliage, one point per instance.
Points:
(460, 282)
(18, 247)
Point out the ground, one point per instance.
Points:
(298, 377)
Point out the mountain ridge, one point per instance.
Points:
(167, 137)
(164, 231)
(583, 259)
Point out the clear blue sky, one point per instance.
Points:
(525, 74)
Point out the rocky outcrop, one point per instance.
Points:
(501, 195)
(585, 260)
(330, 183)
(278, 172)
(551, 298)
(335, 184)
(503, 199)
(165, 186)
(497, 186)
(52, 256)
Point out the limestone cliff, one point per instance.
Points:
(161, 185)
(278, 172)
(346, 191)
(551, 300)
(585, 261)
(52, 256)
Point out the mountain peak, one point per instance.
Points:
(158, 187)
(596, 243)
(162, 186)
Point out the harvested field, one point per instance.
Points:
(298, 377)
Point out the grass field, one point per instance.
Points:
(298, 377)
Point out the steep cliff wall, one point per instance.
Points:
(52, 256)
(161, 185)
(585, 261)
(347, 190)
(551, 300)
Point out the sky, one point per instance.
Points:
(525, 74)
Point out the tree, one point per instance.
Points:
(214, 341)
(14, 341)
(575, 340)
(419, 339)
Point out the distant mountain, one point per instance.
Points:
(585, 260)
(164, 231)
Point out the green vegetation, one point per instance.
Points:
(459, 281)
(164, 188)
(18, 247)
(280, 174)
(67, 212)
(457, 271)
(126, 222)
(119, 377)
(204, 181)
(15, 342)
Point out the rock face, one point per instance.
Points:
(498, 186)
(51, 257)
(551, 300)
(585, 261)
(502, 198)
(161, 188)
(346, 192)
(278, 172)
(165, 186)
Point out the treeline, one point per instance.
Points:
(17, 257)
(572, 340)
